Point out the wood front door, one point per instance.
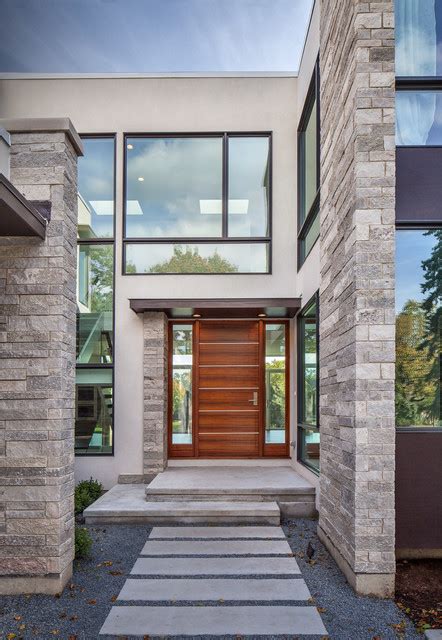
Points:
(228, 396)
(229, 399)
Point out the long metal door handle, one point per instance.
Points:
(254, 400)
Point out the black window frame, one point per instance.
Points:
(104, 241)
(301, 424)
(307, 218)
(224, 238)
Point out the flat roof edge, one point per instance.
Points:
(184, 74)
(27, 125)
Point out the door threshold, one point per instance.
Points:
(230, 462)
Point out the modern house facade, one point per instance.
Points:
(257, 282)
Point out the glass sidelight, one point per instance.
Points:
(182, 355)
(275, 383)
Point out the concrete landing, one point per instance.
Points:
(127, 504)
(294, 494)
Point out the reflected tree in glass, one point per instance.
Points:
(182, 384)
(275, 365)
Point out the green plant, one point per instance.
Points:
(86, 492)
(83, 543)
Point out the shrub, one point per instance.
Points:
(83, 543)
(86, 492)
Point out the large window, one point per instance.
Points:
(418, 328)
(197, 204)
(308, 171)
(308, 381)
(95, 297)
(275, 383)
(182, 361)
(418, 38)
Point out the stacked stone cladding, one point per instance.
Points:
(155, 329)
(357, 314)
(37, 372)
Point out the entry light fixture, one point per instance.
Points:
(141, 179)
(262, 315)
(197, 315)
(130, 146)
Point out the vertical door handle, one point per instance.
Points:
(254, 400)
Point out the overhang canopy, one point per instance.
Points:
(18, 217)
(220, 307)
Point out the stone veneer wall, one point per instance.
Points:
(357, 316)
(155, 329)
(37, 373)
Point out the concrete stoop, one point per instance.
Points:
(208, 495)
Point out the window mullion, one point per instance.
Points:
(225, 190)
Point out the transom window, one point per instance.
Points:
(197, 203)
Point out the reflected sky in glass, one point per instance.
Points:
(96, 188)
(418, 37)
(412, 247)
(418, 118)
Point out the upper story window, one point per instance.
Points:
(96, 188)
(308, 171)
(418, 38)
(209, 195)
(419, 118)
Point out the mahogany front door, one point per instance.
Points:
(228, 389)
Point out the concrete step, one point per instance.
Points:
(213, 621)
(216, 548)
(181, 512)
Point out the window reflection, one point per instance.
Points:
(182, 384)
(275, 372)
(249, 184)
(418, 328)
(419, 118)
(94, 304)
(197, 258)
(309, 146)
(174, 187)
(93, 411)
(418, 32)
(308, 432)
(96, 188)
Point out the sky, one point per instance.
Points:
(152, 36)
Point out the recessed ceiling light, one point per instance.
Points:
(141, 179)
(197, 315)
(130, 146)
(262, 315)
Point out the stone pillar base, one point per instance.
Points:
(47, 585)
(380, 585)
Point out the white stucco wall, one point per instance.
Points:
(173, 104)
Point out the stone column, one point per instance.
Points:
(37, 366)
(357, 316)
(155, 394)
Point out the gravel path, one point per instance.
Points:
(81, 610)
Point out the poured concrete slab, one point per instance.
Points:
(127, 504)
(215, 566)
(204, 589)
(213, 621)
(219, 480)
(265, 533)
(216, 548)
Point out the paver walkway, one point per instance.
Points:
(215, 581)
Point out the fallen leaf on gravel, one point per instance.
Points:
(146, 637)
(92, 602)
(221, 600)
(116, 573)
(11, 636)
(17, 617)
(63, 614)
(74, 617)
(72, 637)
(321, 609)
(55, 632)
(113, 599)
(21, 627)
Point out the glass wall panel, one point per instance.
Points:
(275, 375)
(93, 411)
(418, 328)
(418, 32)
(96, 188)
(308, 432)
(174, 187)
(311, 236)
(197, 258)
(95, 304)
(249, 186)
(182, 384)
(309, 160)
(418, 118)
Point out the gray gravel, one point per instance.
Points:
(345, 615)
(75, 616)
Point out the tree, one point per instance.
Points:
(188, 260)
